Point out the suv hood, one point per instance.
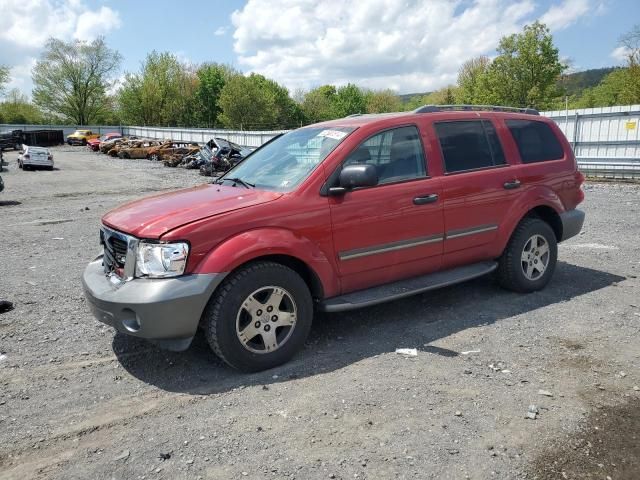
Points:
(154, 216)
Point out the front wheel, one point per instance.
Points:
(259, 317)
(529, 260)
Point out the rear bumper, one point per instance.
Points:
(571, 223)
(166, 311)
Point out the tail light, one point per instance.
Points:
(50, 157)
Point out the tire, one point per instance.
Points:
(154, 157)
(70, 142)
(227, 316)
(20, 165)
(84, 142)
(528, 243)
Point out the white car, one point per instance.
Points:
(35, 157)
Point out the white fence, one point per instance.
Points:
(602, 134)
(201, 135)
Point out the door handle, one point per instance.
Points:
(512, 184)
(426, 199)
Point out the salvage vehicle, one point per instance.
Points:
(11, 139)
(171, 148)
(114, 151)
(81, 137)
(225, 155)
(31, 158)
(138, 149)
(337, 216)
(94, 143)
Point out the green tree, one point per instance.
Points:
(4, 78)
(211, 79)
(383, 101)
(472, 80)
(526, 70)
(349, 100)
(630, 93)
(317, 104)
(257, 103)
(16, 108)
(71, 79)
(162, 93)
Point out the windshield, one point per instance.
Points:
(284, 163)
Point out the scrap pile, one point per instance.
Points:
(216, 156)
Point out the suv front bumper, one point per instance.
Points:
(165, 311)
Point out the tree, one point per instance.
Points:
(257, 103)
(526, 70)
(472, 80)
(383, 101)
(4, 77)
(17, 109)
(211, 78)
(630, 41)
(72, 79)
(318, 103)
(162, 93)
(349, 100)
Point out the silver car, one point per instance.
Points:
(35, 157)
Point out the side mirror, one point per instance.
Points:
(354, 176)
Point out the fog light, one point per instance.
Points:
(130, 323)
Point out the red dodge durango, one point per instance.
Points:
(337, 216)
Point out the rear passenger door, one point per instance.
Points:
(477, 186)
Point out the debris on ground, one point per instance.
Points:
(532, 413)
(408, 352)
(546, 393)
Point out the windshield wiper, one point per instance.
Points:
(236, 180)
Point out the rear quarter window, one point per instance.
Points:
(536, 141)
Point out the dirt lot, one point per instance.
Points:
(78, 402)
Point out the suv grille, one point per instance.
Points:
(115, 250)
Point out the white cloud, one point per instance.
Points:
(565, 13)
(620, 54)
(407, 46)
(93, 24)
(25, 26)
(220, 31)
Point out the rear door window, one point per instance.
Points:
(469, 145)
(535, 140)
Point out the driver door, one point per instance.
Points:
(395, 229)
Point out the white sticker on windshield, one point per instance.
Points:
(335, 134)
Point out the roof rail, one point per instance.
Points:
(493, 108)
(354, 115)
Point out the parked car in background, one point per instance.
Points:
(170, 147)
(94, 143)
(81, 137)
(11, 139)
(337, 216)
(35, 157)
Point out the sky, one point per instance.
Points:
(408, 46)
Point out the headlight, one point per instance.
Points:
(161, 260)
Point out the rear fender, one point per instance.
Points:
(253, 244)
(534, 197)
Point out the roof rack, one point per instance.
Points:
(462, 108)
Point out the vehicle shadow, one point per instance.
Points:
(340, 339)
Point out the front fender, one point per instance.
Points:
(534, 197)
(247, 246)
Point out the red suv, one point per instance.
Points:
(337, 216)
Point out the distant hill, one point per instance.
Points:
(578, 81)
(405, 97)
(573, 82)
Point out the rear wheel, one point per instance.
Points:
(259, 317)
(529, 260)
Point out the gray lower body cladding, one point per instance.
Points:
(572, 221)
(165, 311)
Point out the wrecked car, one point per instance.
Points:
(11, 139)
(226, 154)
(94, 143)
(81, 137)
(171, 148)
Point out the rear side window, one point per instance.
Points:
(469, 145)
(536, 141)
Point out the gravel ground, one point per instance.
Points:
(78, 401)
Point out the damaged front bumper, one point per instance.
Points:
(165, 311)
